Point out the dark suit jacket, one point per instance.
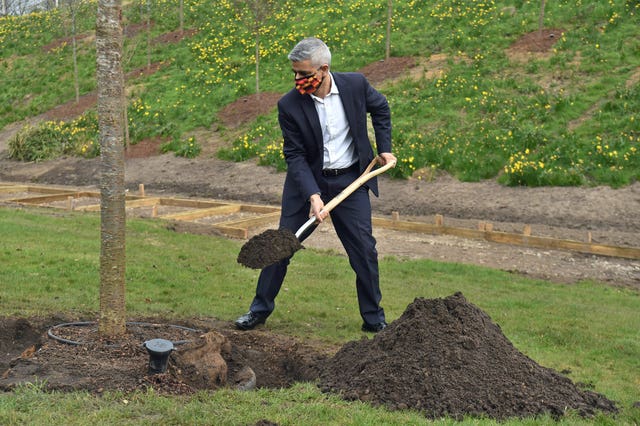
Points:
(303, 146)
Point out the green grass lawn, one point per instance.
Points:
(49, 263)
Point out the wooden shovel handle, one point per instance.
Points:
(365, 176)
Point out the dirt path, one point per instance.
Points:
(567, 213)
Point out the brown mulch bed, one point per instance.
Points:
(538, 41)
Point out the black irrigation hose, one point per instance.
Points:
(88, 323)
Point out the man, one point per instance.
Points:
(326, 146)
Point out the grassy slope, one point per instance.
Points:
(563, 119)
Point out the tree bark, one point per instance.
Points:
(541, 18)
(110, 81)
(148, 34)
(74, 45)
(257, 57)
(387, 52)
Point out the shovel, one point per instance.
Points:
(273, 246)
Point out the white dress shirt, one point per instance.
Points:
(339, 150)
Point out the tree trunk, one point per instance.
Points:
(74, 45)
(110, 80)
(541, 18)
(257, 54)
(387, 52)
(76, 84)
(148, 34)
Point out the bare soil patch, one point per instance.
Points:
(442, 357)
(538, 41)
(96, 365)
(145, 148)
(248, 108)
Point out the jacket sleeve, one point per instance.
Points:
(297, 149)
(378, 109)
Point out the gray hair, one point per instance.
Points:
(313, 49)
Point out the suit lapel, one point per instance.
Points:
(310, 112)
(351, 112)
(345, 97)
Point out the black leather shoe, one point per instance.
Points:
(250, 320)
(374, 328)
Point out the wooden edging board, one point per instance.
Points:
(511, 238)
(265, 214)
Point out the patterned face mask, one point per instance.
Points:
(308, 84)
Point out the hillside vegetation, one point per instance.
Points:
(563, 115)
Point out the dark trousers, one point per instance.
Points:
(352, 222)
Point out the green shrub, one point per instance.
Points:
(52, 139)
(189, 148)
(147, 120)
(38, 143)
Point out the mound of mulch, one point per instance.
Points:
(538, 41)
(248, 108)
(446, 357)
(393, 67)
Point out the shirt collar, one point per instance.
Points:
(333, 91)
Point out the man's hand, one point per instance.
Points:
(316, 208)
(386, 158)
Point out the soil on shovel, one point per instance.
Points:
(268, 248)
(446, 357)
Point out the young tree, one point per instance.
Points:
(541, 18)
(110, 80)
(259, 11)
(387, 52)
(148, 31)
(72, 5)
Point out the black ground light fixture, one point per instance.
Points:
(159, 351)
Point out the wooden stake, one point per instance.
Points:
(154, 211)
(589, 239)
(439, 220)
(481, 226)
(69, 202)
(141, 189)
(526, 231)
(395, 215)
(488, 227)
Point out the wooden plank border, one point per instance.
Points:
(499, 237)
(266, 214)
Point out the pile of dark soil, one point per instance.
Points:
(271, 246)
(446, 357)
